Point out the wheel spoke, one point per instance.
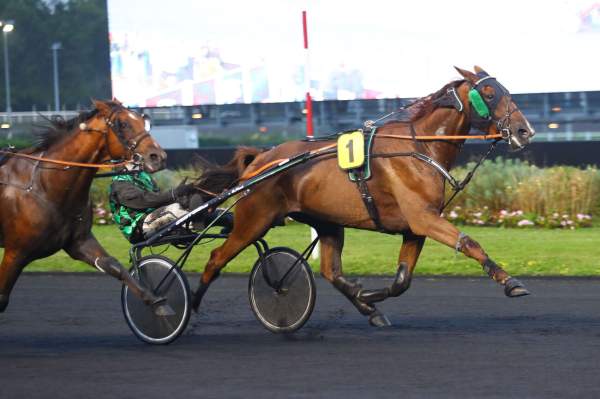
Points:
(141, 318)
(288, 308)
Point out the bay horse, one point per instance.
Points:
(45, 206)
(408, 194)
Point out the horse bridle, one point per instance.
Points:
(503, 123)
(114, 125)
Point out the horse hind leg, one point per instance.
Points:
(10, 269)
(252, 218)
(332, 243)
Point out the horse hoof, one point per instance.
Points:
(379, 320)
(514, 288)
(164, 310)
(196, 299)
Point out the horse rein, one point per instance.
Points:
(130, 145)
(443, 137)
(502, 123)
(323, 150)
(66, 163)
(370, 124)
(503, 126)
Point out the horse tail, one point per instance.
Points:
(216, 179)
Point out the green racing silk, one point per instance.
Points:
(126, 218)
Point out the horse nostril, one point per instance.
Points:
(154, 157)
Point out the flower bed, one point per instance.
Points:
(503, 193)
(512, 193)
(518, 219)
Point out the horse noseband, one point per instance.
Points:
(134, 142)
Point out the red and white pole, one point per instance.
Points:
(309, 113)
(309, 110)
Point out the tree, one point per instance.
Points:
(81, 26)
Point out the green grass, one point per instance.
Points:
(533, 252)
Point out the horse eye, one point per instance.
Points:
(489, 96)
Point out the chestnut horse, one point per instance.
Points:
(45, 206)
(407, 192)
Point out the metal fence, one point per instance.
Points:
(570, 116)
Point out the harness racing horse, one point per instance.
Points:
(45, 205)
(407, 193)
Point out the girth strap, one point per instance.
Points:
(360, 176)
(367, 198)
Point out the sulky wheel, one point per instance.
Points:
(282, 290)
(142, 320)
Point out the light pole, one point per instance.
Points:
(55, 47)
(7, 26)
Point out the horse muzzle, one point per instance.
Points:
(518, 139)
(154, 160)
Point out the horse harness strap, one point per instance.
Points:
(34, 173)
(362, 173)
(457, 186)
(369, 202)
(4, 154)
(450, 100)
(360, 176)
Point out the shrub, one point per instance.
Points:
(512, 193)
(503, 193)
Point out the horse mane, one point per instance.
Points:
(57, 128)
(425, 105)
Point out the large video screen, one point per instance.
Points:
(184, 52)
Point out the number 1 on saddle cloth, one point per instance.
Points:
(351, 150)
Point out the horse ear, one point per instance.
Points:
(470, 76)
(114, 100)
(102, 107)
(479, 70)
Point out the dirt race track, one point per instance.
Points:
(63, 335)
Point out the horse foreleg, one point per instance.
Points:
(90, 251)
(331, 238)
(10, 269)
(407, 260)
(441, 230)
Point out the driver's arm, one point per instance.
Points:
(135, 198)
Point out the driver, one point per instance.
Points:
(140, 208)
